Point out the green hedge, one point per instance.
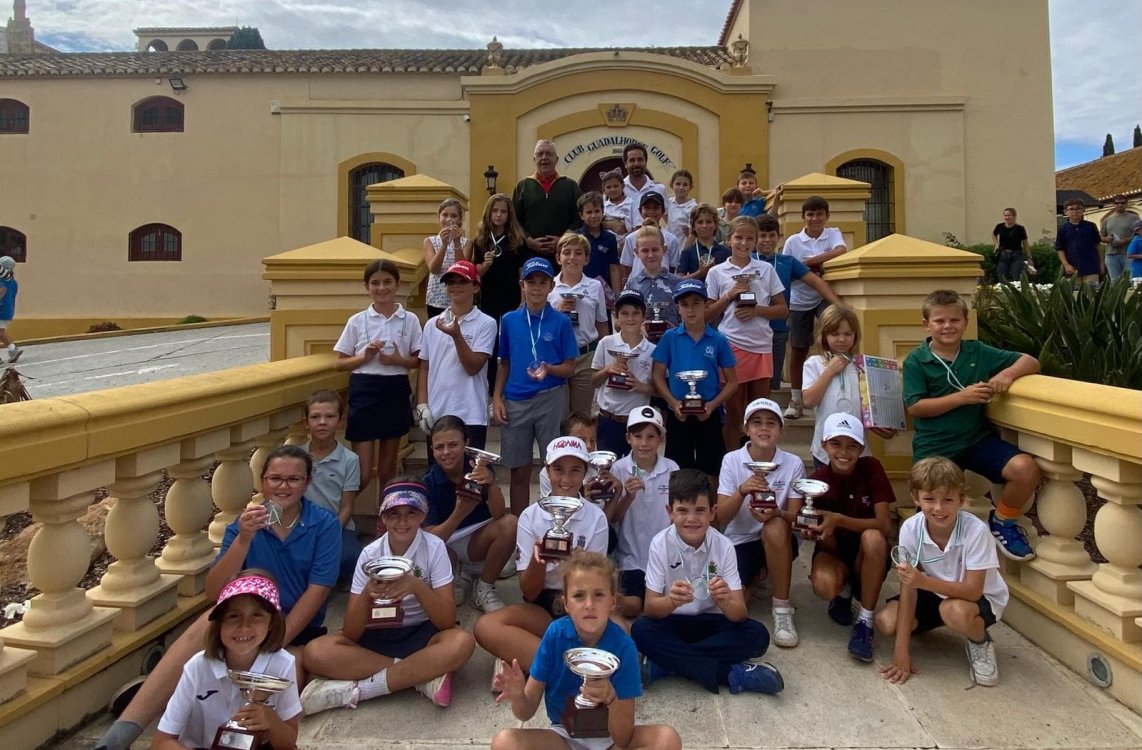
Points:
(1043, 253)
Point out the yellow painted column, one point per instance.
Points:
(846, 205)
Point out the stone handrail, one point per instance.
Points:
(55, 454)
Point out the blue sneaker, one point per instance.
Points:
(1011, 538)
(841, 610)
(755, 678)
(652, 671)
(860, 642)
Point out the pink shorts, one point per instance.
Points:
(752, 366)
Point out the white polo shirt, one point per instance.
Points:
(402, 328)
(753, 335)
(802, 246)
(647, 514)
(670, 559)
(841, 395)
(205, 698)
(635, 195)
(592, 307)
(451, 390)
(616, 400)
(672, 251)
(588, 529)
(678, 215)
(744, 527)
(620, 210)
(430, 561)
(971, 547)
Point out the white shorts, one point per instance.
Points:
(458, 544)
(595, 743)
(5, 323)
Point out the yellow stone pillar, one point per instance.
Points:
(886, 282)
(846, 205)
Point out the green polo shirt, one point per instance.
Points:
(928, 376)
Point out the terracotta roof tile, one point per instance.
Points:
(730, 17)
(1105, 177)
(230, 62)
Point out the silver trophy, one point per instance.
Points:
(900, 557)
(273, 512)
(386, 613)
(573, 297)
(255, 688)
(746, 298)
(809, 518)
(692, 402)
(470, 489)
(557, 541)
(448, 317)
(619, 380)
(582, 717)
(656, 326)
(766, 500)
(599, 489)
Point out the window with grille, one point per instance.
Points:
(13, 116)
(360, 219)
(13, 244)
(159, 114)
(155, 242)
(880, 209)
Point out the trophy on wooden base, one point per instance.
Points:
(809, 518)
(255, 688)
(557, 541)
(620, 380)
(386, 613)
(470, 489)
(747, 298)
(656, 326)
(582, 717)
(598, 488)
(574, 298)
(692, 402)
(766, 499)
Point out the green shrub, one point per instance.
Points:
(192, 319)
(105, 326)
(1076, 331)
(1047, 265)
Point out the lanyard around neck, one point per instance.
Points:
(682, 548)
(535, 336)
(953, 381)
(920, 543)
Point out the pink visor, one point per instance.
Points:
(259, 586)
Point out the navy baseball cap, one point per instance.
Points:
(653, 196)
(631, 297)
(689, 286)
(537, 265)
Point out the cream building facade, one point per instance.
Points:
(149, 185)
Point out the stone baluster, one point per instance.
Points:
(1112, 598)
(265, 444)
(13, 661)
(61, 625)
(298, 433)
(231, 487)
(133, 583)
(975, 495)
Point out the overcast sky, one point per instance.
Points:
(1096, 45)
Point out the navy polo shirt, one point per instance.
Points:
(688, 263)
(554, 344)
(679, 351)
(1079, 242)
(442, 499)
(309, 556)
(788, 269)
(604, 254)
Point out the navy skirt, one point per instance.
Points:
(380, 407)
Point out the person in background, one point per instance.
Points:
(8, 289)
(546, 203)
(1077, 245)
(1116, 233)
(1012, 252)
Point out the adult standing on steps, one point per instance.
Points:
(1116, 233)
(638, 181)
(546, 203)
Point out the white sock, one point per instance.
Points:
(482, 585)
(12, 347)
(865, 616)
(375, 686)
(795, 394)
(846, 592)
(780, 602)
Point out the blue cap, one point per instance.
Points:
(689, 286)
(537, 265)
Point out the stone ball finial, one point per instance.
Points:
(740, 49)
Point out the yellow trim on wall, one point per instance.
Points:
(898, 192)
(347, 166)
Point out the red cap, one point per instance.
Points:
(464, 269)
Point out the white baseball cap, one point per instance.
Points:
(763, 404)
(641, 415)
(567, 446)
(842, 424)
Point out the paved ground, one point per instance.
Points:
(830, 701)
(78, 366)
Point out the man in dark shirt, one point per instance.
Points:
(1077, 245)
(546, 203)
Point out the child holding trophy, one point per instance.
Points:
(546, 534)
(585, 712)
(757, 507)
(242, 661)
(400, 624)
(622, 363)
(467, 510)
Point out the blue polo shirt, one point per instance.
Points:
(604, 254)
(1079, 242)
(442, 499)
(688, 263)
(788, 269)
(679, 351)
(309, 556)
(554, 344)
(8, 304)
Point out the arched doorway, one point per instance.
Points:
(591, 180)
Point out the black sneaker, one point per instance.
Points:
(124, 695)
(841, 610)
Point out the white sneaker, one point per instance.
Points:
(321, 695)
(784, 632)
(499, 668)
(485, 598)
(509, 569)
(439, 691)
(461, 588)
(794, 410)
(981, 660)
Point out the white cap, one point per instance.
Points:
(763, 404)
(641, 415)
(567, 446)
(842, 424)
